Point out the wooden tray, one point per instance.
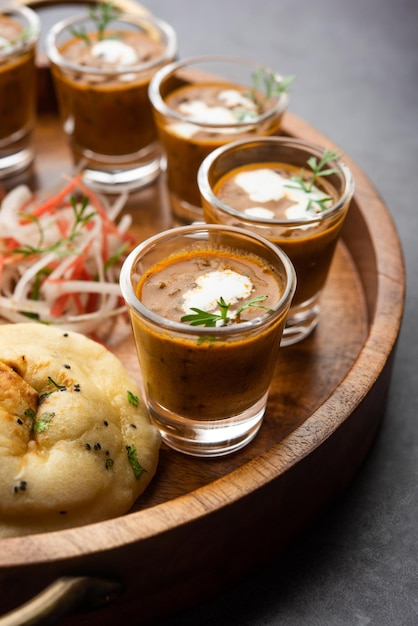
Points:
(204, 523)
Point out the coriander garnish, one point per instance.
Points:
(319, 169)
(57, 385)
(211, 320)
(137, 468)
(22, 37)
(30, 413)
(274, 85)
(43, 422)
(101, 16)
(109, 463)
(133, 399)
(81, 218)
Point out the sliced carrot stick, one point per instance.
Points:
(52, 203)
(57, 309)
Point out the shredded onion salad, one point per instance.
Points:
(60, 257)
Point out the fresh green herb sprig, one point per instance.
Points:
(272, 84)
(210, 320)
(21, 38)
(81, 215)
(115, 257)
(319, 169)
(80, 33)
(101, 16)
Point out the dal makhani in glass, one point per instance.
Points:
(292, 192)
(208, 306)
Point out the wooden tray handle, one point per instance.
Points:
(62, 597)
(128, 6)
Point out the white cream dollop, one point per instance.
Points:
(266, 185)
(200, 111)
(259, 211)
(212, 286)
(262, 185)
(233, 98)
(231, 101)
(114, 51)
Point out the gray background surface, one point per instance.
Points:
(356, 67)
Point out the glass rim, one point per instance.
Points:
(183, 328)
(207, 193)
(34, 22)
(161, 106)
(165, 29)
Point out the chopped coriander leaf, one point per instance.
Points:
(43, 422)
(133, 399)
(137, 468)
(30, 413)
(57, 385)
(109, 463)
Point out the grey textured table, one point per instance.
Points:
(356, 67)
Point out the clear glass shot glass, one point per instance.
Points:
(268, 198)
(101, 81)
(206, 387)
(204, 102)
(19, 32)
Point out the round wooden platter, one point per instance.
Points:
(204, 523)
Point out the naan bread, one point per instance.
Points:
(76, 442)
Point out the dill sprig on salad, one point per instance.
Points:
(60, 257)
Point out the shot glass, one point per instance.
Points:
(202, 103)
(101, 80)
(291, 192)
(207, 305)
(19, 32)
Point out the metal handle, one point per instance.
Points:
(61, 598)
(127, 6)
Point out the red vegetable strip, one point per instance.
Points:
(81, 274)
(92, 303)
(63, 226)
(11, 244)
(61, 302)
(78, 303)
(105, 246)
(51, 204)
(80, 260)
(57, 309)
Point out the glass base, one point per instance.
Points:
(183, 212)
(14, 163)
(121, 180)
(301, 321)
(208, 438)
